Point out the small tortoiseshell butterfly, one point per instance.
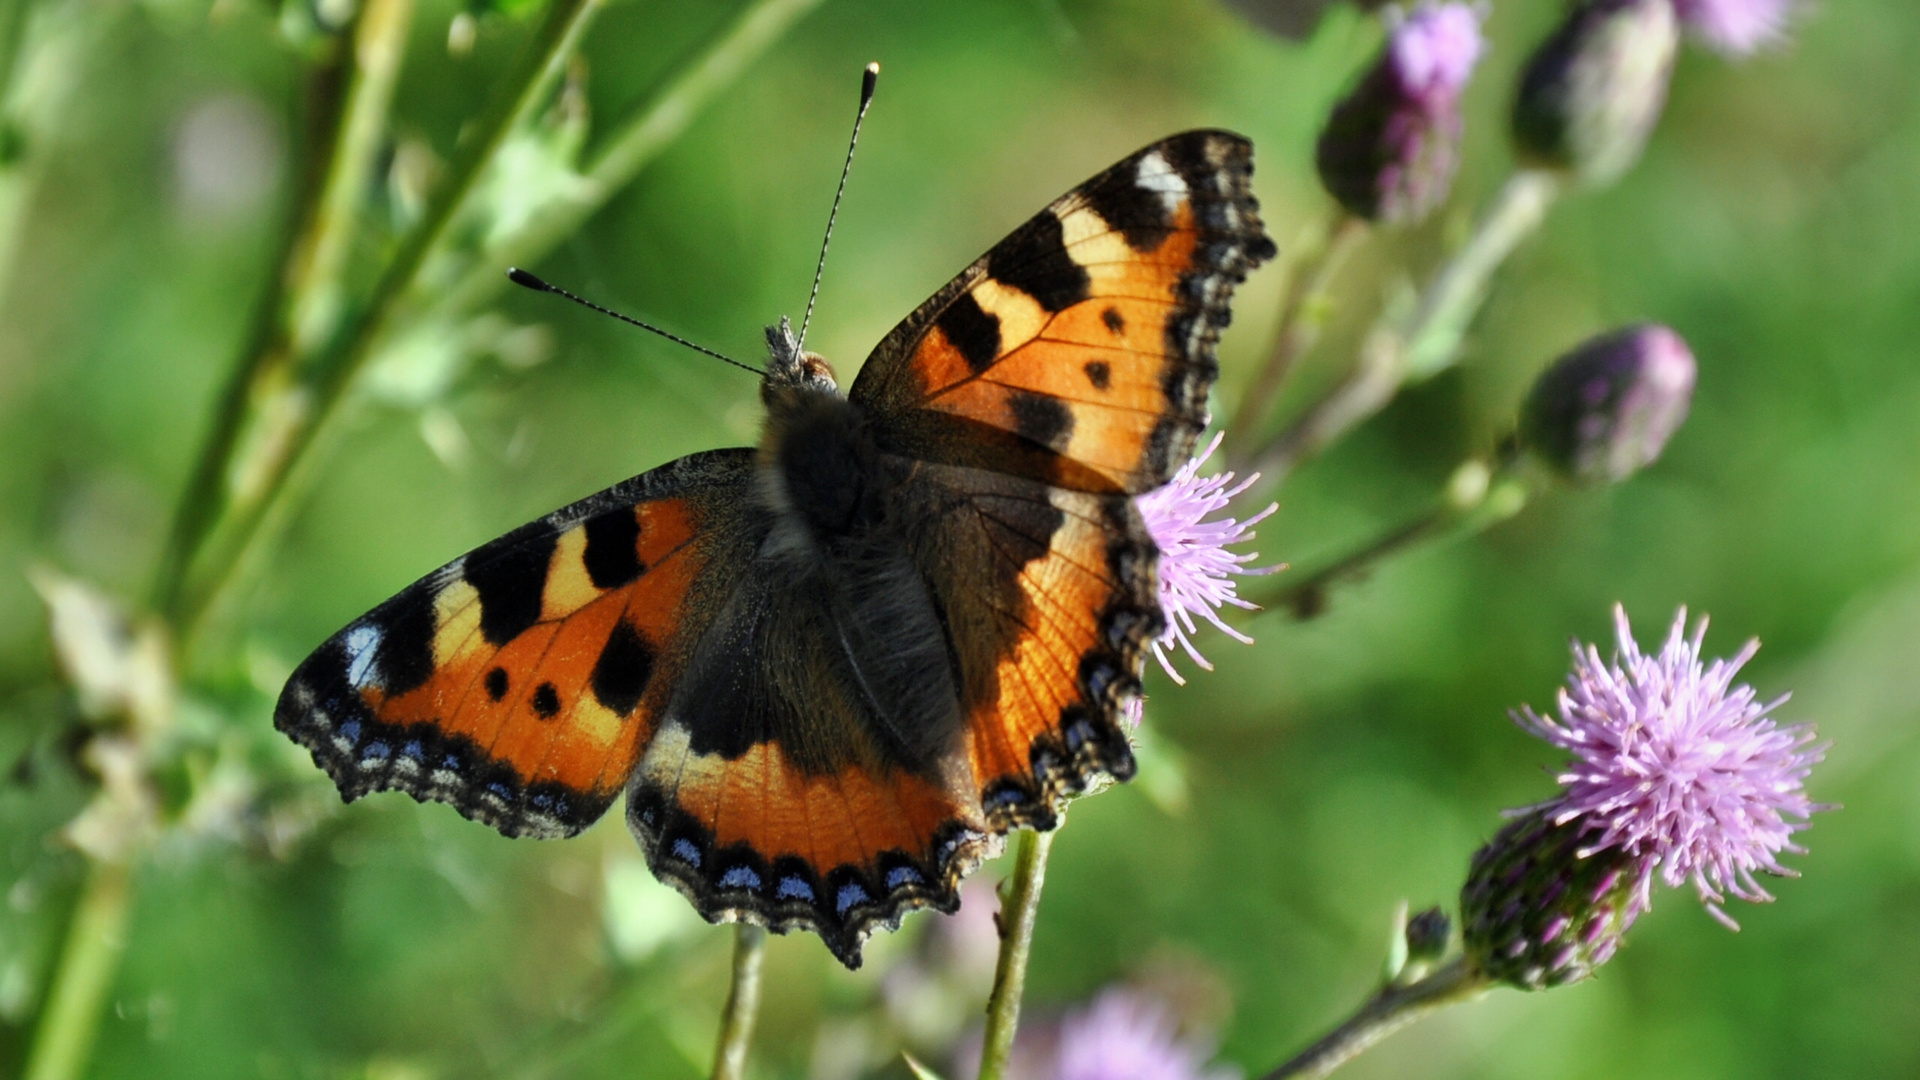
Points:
(830, 672)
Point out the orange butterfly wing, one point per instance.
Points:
(519, 683)
(1063, 372)
(1081, 348)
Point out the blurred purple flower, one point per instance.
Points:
(1736, 27)
(1678, 767)
(1196, 569)
(1391, 146)
(1434, 49)
(1125, 1035)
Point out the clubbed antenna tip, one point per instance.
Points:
(527, 281)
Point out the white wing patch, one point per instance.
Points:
(1157, 176)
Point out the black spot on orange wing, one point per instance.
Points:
(1042, 419)
(1036, 261)
(1114, 320)
(1099, 374)
(613, 557)
(497, 683)
(1137, 212)
(510, 574)
(972, 331)
(625, 667)
(546, 701)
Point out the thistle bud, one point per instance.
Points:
(1607, 408)
(1539, 911)
(1391, 147)
(1591, 94)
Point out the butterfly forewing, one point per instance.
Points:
(1087, 336)
(519, 682)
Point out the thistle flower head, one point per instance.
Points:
(1391, 147)
(1736, 27)
(1125, 1035)
(1677, 765)
(1539, 910)
(1197, 569)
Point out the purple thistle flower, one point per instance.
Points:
(1736, 27)
(1391, 146)
(1196, 569)
(1678, 767)
(1124, 1035)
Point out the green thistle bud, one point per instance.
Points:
(1427, 934)
(1539, 911)
(1591, 94)
(1607, 408)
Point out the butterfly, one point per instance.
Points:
(830, 672)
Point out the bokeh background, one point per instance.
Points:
(1336, 767)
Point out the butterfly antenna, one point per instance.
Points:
(525, 280)
(867, 82)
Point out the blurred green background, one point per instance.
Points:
(1334, 768)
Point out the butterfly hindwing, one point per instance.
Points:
(1080, 349)
(519, 682)
(809, 770)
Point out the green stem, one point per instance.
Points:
(1018, 913)
(289, 418)
(1455, 297)
(1303, 315)
(1389, 1010)
(1476, 498)
(350, 94)
(1429, 340)
(37, 84)
(63, 1039)
(743, 1003)
(638, 140)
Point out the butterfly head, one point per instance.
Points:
(791, 368)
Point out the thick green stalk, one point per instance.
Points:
(63, 1039)
(350, 94)
(1018, 913)
(1393, 1008)
(638, 140)
(293, 411)
(1428, 342)
(743, 1003)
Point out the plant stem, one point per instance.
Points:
(1429, 340)
(1303, 315)
(1476, 498)
(638, 140)
(350, 93)
(63, 1039)
(743, 1003)
(298, 405)
(1455, 297)
(1018, 913)
(1389, 1010)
